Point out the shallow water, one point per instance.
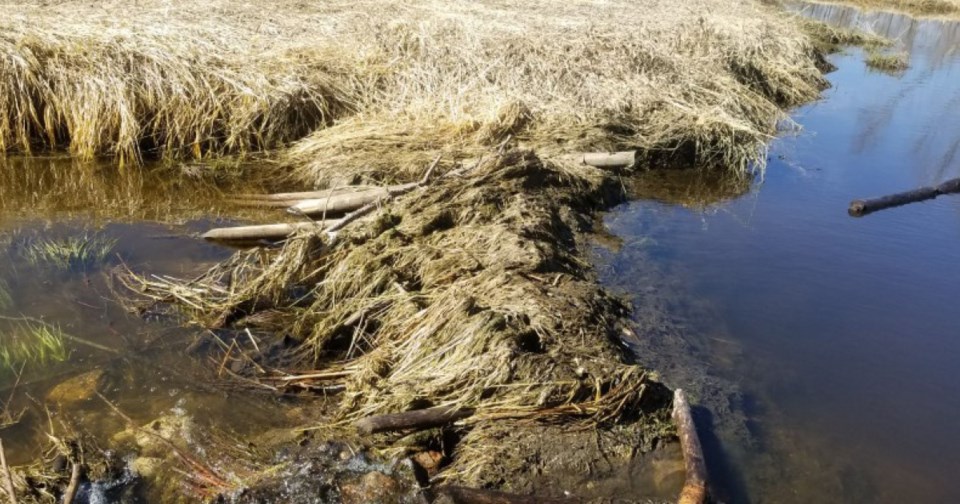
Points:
(152, 219)
(832, 341)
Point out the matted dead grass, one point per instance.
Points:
(176, 79)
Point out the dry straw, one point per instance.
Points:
(707, 77)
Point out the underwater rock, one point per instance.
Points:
(76, 389)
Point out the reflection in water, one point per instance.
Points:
(824, 346)
(64, 228)
(63, 187)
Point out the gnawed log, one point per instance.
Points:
(268, 232)
(303, 195)
(463, 495)
(859, 208)
(417, 419)
(609, 159)
(695, 486)
(346, 202)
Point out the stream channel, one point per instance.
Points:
(822, 349)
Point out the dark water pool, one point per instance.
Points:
(831, 344)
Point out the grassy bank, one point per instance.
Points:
(127, 79)
(471, 292)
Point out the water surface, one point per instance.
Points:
(833, 340)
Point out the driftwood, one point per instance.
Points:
(346, 202)
(859, 208)
(417, 419)
(269, 232)
(462, 495)
(299, 196)
(609, 159)
(74, 485)
(695, 487)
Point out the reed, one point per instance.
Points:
(31, 343)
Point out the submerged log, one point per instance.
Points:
(695, 487)
(462, 495)
(417, 419)
(859, 208)
(609, 159)
(346, 202)
(263, 232)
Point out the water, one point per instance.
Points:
(138, 363)
(829, 345)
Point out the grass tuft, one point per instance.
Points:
(6, 299)
(887, 62)
(71, 253)
(32, 344)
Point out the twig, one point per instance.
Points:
(74, 485)
(7, 478)
(426, 176)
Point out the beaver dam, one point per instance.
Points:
(448, 342)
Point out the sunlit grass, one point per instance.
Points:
(31, 343)
(75, 252)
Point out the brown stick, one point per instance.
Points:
(263, 232)
(609, 159)
(74, 485)
(417, 419)
(695, 487)
(7, 478)
(462, 495)
(859, 208)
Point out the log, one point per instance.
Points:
(861, 207)
(417, 419)
(609, 159)
(299, 196)
(462, 495)
(269, 232)
(695, 486)
(346, 202)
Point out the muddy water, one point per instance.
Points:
(830, 344)
(151, 218)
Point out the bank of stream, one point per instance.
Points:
(821, 347)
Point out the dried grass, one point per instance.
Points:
(177, 79)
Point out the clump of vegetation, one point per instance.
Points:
(28, 342)
(887, 62)
(70, 253)
(831, 38)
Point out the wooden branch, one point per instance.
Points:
(462, 495)
(298, 196)
(417, 419)
(609, 159)
(74, 485)
(7, 477)
(859, 208)
(269, 232)
(341, 203)
(695, 487)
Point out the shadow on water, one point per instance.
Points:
(821, 349)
